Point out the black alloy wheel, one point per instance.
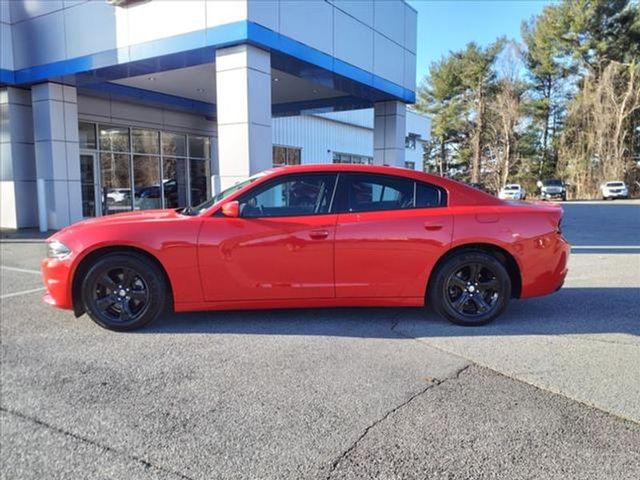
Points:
(123, 292)
(470, 288)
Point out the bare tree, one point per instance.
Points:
(597, 140)
(506, 113)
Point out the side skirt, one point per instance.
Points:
(300, 303)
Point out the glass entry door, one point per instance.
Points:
(89, 182)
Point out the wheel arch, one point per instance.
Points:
(506, 258)
(85, 263)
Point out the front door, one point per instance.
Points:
(89, 181)
(281, 246)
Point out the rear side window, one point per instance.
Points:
(371, 192)
(429, 196)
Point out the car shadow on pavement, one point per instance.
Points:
(569, 311)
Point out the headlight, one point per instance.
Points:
(57, 250)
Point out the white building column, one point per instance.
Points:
(18, 207)
(55, 133)
(243, 102)
(389, 129)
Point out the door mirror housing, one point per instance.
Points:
(231, 209)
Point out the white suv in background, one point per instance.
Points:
(611, 190)
(512, 191)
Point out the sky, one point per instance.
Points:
(445, 25)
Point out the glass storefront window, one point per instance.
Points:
(116, 183)
(199, 147)
(142, 168)
(114, 139)
(174, 182)
(87, 184)
(87, 136)
(199, 175)
(146, 176)
(174, 144)
(145, 141)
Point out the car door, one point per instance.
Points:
(390, 232)
(280, 247)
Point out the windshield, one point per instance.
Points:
(222, 195)
(615, 184)
(512, 187)
(552, 183)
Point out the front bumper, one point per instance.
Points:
(552, 195)
(56, 275)
(609, 194)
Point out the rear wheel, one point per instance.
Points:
(123, 292)
(470, 288)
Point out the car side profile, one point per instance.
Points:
(312, 236)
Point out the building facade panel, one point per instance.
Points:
(388, 60)
(266, 13)
(389, 20)
(353, 41)
(363, 11)
(6, 40)
(21, 11)
(295, 23)
(89, 27)
(50, 47)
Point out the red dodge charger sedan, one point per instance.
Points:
(312, 236)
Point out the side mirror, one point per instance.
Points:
(231, 209)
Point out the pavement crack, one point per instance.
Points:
(145, 463)
(436, 382)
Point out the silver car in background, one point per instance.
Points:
(512, 191)
(611, 190)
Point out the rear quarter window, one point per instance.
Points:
(428, 196)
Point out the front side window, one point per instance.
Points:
(292, 195)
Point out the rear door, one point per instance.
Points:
(390, 232)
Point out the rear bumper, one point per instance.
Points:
(56, 275)
(547, 266)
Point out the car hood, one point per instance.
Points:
(120, 219)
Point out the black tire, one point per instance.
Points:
(124, 291)
(454, 295)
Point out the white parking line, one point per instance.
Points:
(24, 292)
(21, 270)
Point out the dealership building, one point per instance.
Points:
(115, 105)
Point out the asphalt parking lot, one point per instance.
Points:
(549, 390)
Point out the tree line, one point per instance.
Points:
(563, 102)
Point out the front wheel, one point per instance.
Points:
(471, 288)
(123, 292)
